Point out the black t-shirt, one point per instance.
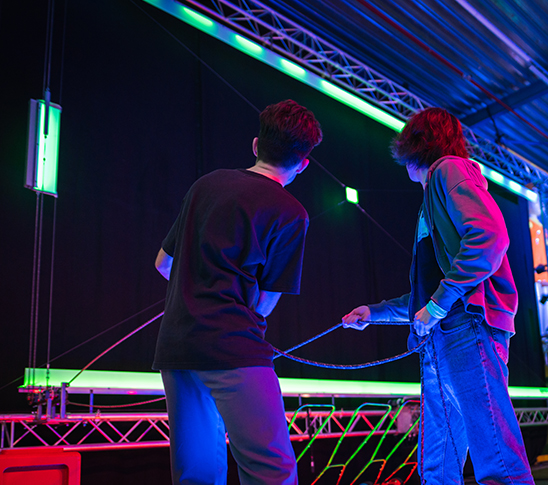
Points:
(238, 232)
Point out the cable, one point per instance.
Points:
(49, 42)
(328, 210)
(362, 210)
(33, 341)
(258, 111)
(63, 53)
(48, 354)
(85, 342)
(104, 331)
(33, 290)
(133, 332)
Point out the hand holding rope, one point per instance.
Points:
(351, 366)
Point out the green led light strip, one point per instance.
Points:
(276, 61)
(224, 34)
(507, 183)
(43, 151)
(118, 382)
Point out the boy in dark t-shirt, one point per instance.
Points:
(236, 245)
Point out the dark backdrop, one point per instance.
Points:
(142, 119)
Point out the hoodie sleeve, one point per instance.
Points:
(479, 223)
(394, 310)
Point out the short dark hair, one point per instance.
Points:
(427, 136)
(287, 135)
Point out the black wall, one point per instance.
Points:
(143, 117)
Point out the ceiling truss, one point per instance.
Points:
(274, 31)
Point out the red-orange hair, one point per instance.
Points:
(427, 136)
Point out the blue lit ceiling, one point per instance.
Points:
(458, 54)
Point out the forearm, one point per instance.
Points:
(163, 263)
(394, 310)
(267, 302)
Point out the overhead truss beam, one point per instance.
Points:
(265, 26)
(276, 32)
(514, 100)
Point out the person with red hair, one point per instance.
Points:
(463, 298)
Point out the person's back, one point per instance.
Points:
(236, 246)
(230, 223)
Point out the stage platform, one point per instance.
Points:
(380, 428)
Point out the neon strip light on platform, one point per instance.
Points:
(118, 382)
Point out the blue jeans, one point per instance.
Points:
(248, 401)
(467, 408)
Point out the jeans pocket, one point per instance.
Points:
(501, 341)
(456, 323)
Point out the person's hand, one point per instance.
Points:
(424, 322)
(357, 317)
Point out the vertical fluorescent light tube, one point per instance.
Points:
(43, 150)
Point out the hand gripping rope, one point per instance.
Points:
(351, 366)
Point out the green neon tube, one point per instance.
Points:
(507, 183)
(126, 382)
(43, 153)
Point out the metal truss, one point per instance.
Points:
(505, 162)
(532, 417)
(109, 431)
(92, 431)
(85, 432)
(371, 424)
(276, 32)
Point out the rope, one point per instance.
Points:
(350, 366)
(116, 344)
(48, 355)
(445, 411)
(280, 353)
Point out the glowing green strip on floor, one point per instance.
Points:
(133, 382)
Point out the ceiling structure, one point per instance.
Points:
(486, 62)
